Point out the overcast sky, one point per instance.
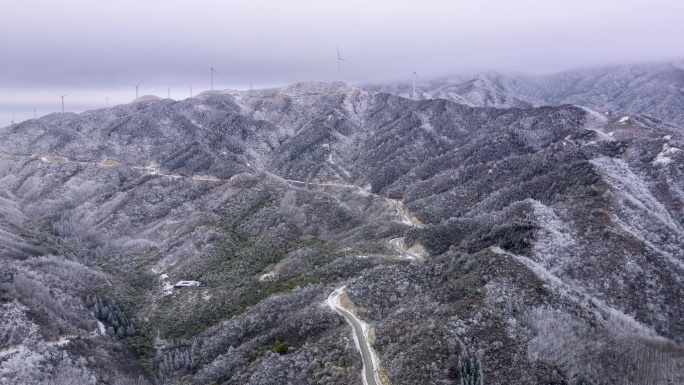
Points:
(91, 50)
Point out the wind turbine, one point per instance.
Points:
(415, 78)
(211, 72)
(13, 115)
(136, 88)
(61, 96)
(339, 58)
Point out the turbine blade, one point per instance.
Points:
(339, 58)
(338, 52)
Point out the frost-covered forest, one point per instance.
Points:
(550, 238)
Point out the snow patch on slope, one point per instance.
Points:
(618, 174)
(556, 244)
(638, 213)
(664, 157)
(595, 121)
(577, 295)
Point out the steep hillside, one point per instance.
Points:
(544, 243)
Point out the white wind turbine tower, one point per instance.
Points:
(136, 88)
(211, 72)
(339, 58)
(61, 96)
(415, 78)
(13, 115)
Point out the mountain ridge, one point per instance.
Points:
(654, 89)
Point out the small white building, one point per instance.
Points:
(186, 284)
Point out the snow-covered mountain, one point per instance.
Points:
(653, 89)
(552, 236)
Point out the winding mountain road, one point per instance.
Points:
(150, 169)
(154, 169)
(398, 245)
(398, 206)
(360, 329)
(63, 340)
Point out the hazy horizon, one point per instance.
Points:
(92, 51)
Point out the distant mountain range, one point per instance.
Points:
(548, 215)
(653, 89)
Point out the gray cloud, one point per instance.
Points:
(93, 49)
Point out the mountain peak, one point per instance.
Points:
(147, 99)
